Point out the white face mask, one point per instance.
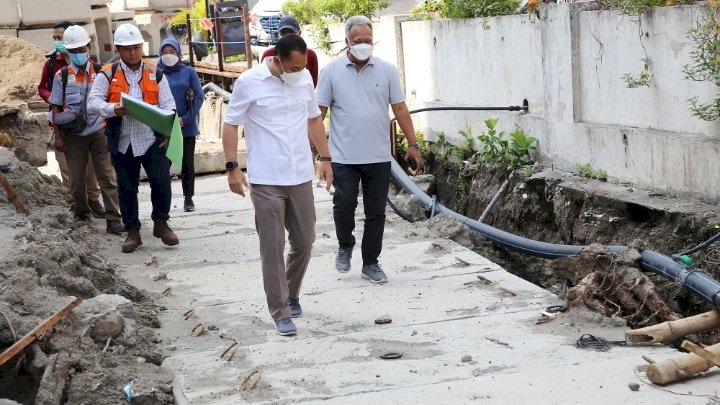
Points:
(290, 78)
(361, 51)
(169, 59)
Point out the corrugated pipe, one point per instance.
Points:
(217, 90)
(691, 278)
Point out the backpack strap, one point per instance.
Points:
(51, 71)
(64, 75)
(158, 75)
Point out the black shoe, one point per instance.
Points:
(189, 205)
(97, 209)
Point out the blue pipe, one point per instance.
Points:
(689, 277)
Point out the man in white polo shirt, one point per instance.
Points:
(358, 89)
(275, 102)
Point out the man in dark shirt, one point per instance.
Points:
(58, 59)
(289, 25)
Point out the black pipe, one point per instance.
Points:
(689, 277)
(509, 108)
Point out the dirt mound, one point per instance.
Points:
(20, 69)
(52, 260)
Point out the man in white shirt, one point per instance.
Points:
(275, 102)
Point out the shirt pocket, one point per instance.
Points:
(269, 109)
(300, 103)
(74, 95)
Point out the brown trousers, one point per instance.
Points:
(278, 208)
(92, 186)
(93, 147)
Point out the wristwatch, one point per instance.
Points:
(229, 166)
(415, 145)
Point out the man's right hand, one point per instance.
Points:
(236, 180)
(119, 110)
(59, 143)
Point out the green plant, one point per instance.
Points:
(196, 12)
(640, 80)
(712, 225)
(320, 13)
(402, 144)
(586, 170)
(705, 65)
(518, 153)
(495, 145)
(235, 58)
(467, 149)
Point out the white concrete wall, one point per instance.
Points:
(41, 12)
(568, 65)
(9, 15)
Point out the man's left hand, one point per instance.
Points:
(415, 154)
(165, 143)
(325, 173)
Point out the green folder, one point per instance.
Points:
(162, 121)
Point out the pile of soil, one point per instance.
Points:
(53, 260)
(21, 65)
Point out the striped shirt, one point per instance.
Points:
(133, 133)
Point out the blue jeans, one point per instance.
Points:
(375, 179)
(157, 167)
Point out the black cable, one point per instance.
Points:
(700, 246)
(397, 211)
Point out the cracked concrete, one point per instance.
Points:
(441, 312)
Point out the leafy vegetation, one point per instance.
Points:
(466, 8)
(196, 12)
(586, 170)
(320, 13)
(705, 64)
(640, 80)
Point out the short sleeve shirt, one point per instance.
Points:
(359, 104)
(76, 94)
(275, 118)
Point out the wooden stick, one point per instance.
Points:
(700, 351)
(680, 368)
(37, 332)
(669, 331)
(19, 207)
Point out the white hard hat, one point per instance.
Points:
(75, 36)
(128, 34)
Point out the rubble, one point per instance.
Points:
(48, 260)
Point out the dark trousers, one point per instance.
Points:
(375, 180)
(157, 168)
(188, 166)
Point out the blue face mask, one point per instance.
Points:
(60, 47)
(79, 59)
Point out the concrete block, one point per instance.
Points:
(9, 32)
(40, 37)
(9, 16)
(36, 12)
(137, 4)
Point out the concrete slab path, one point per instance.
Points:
(463, 339)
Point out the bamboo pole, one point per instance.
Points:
(188, 26)
(680, 368)
(38, 331)
(246, 27)
(19, 207)
(670, 331)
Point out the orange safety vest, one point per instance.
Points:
(118, 83)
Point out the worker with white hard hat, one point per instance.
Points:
(79, 133)
(131, 143)
(56, 60)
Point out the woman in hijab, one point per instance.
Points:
(188, 95)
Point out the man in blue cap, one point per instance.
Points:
(289, 25)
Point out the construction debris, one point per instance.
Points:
(670, 331)
(681, 367)
(37, 332)
(18, 55)
(606, 283)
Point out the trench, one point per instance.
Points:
(562, 208)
